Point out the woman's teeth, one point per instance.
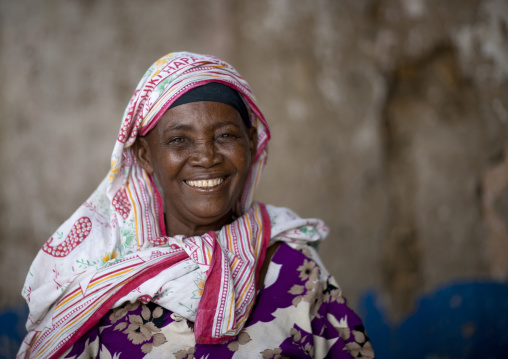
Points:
(205, 183)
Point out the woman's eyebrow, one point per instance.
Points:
(225, 123)
(177, 126)
(187, 127)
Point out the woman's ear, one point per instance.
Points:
(142, 153)
(253, 141)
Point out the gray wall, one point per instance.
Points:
(389, 121)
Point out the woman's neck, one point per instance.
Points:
(176, 227)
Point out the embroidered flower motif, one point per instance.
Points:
(299, 340)
(241, 339)
(334, 295)
(309, 350)
(295, 334)
(105, 353)
(158, 340)
(272, 353)
(27, 290)
(311, 285)
(141, 329)
(308, 270)
(185, 354)
(305, 250)
(110, 256)
(200, 284)
(177, 317)
(344, 333)
(139, 332)
(361, 347)
(311, 292)
(296, 289)
(314, 295)
(120, 312)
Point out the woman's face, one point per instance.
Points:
(200, 153)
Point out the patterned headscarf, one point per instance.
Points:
(164, 82)
(114, 248)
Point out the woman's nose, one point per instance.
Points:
(205, 154)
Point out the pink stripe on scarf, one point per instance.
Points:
(210, 298)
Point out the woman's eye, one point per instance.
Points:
(176, 140)
(227, 136)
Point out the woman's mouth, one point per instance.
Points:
(208, 183)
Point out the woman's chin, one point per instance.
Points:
(216, 218)
(199, 219)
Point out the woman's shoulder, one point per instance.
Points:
(287, 226)
(300, 299)
(299, 260)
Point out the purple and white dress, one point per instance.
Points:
(299, 313)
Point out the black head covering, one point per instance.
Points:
(215, 92)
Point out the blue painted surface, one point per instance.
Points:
(12, 330)
(466, 320)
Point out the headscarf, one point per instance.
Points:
(215, 92)
(114, 248)
(165, 81)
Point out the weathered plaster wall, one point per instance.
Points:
(389, 121)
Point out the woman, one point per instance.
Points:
(170, 257)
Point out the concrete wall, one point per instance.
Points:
(389, 121)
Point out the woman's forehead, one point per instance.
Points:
(197, 114)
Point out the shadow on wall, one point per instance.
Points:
(467, 320)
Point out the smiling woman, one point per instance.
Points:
(200, 153)
(171, 257)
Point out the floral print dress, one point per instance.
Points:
(299, 313)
